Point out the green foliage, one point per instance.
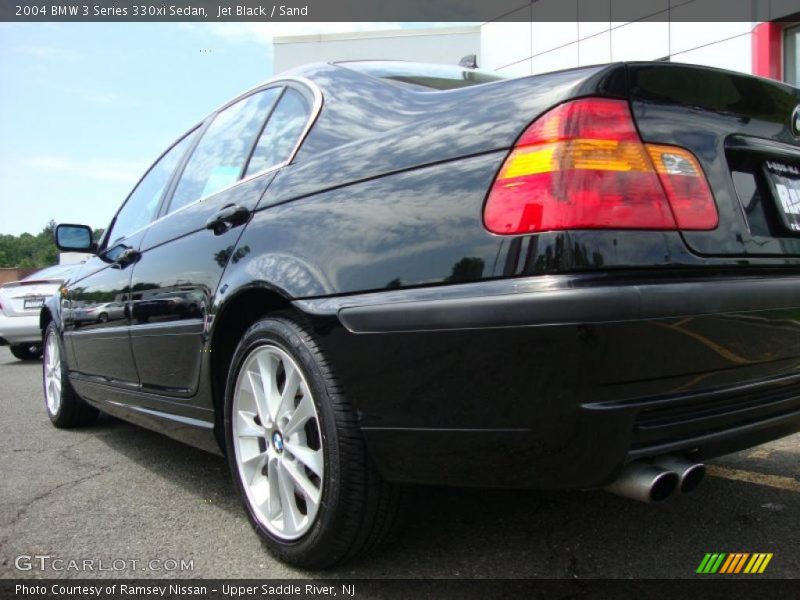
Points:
(29, 251)
(32, 251)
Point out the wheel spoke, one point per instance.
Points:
(291, 516)
(303, 412)
(267, 368)
(302, 483)
(310, 458)
(289, 393)
(248, 426)
(257, 390)
(274, 501)
(253, 466)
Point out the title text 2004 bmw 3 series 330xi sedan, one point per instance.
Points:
(364, 275)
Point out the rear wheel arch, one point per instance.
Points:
(232, 319)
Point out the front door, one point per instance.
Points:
(97, 305)
(98, 338)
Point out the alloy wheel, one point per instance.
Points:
(52, 374)
(277, 442)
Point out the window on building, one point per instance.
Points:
(791, 55)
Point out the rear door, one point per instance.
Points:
(741, 130)
(100, 348)
(185, 252)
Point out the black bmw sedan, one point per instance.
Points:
(363, 275)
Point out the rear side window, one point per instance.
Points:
(142, 204)
(282, 132)
(220, 156)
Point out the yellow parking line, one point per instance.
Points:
(788, 484)
(760, 453)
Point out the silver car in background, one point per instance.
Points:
(20, 303)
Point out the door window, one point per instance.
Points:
(142, 204)
(282, 132)
(219, 158)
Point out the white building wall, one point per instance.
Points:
(541, 46)
(439, 45)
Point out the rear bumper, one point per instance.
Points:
(20, 330)
(558, 381)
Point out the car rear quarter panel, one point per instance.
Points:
(388, 187)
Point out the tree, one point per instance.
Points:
(29, 251)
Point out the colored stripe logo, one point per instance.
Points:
(734, 563)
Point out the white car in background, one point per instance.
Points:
(20, 303)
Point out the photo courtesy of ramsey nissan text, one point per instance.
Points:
(355, 299)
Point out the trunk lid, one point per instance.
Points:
(24, 298)
(740, 129)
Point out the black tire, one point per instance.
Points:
(71, 411)
(103, 317)
(359, 510)
(26, 351)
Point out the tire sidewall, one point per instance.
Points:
(288, 336)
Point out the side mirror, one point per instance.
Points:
(74, 238)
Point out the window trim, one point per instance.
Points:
(305, 87)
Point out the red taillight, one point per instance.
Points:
(583, 166)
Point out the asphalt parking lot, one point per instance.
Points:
(115, 491)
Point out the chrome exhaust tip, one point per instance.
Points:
(645, 482)
(690, 474)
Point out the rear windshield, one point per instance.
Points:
(424, 76)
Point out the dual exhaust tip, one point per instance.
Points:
(657, 481)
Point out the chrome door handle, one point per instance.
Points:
(126, 258)
(227, 218)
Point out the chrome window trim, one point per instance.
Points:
(316, 108)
